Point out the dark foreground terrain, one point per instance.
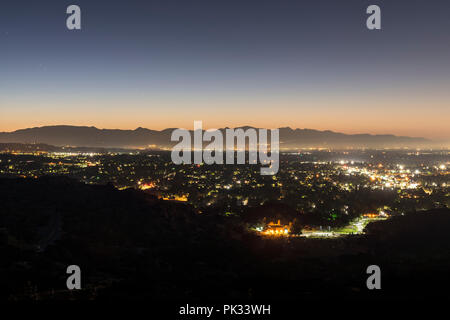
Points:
(130, 245)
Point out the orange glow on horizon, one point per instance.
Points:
(409, 117)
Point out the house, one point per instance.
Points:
(277, 229)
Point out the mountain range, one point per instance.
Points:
(83, 136)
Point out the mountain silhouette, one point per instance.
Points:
(83, 136)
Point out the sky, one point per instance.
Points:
(163, 64)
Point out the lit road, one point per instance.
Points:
(355, 227)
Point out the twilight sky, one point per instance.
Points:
(166, 63)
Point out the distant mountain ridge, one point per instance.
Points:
(83, 136)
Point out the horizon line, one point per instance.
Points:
(227, 127)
